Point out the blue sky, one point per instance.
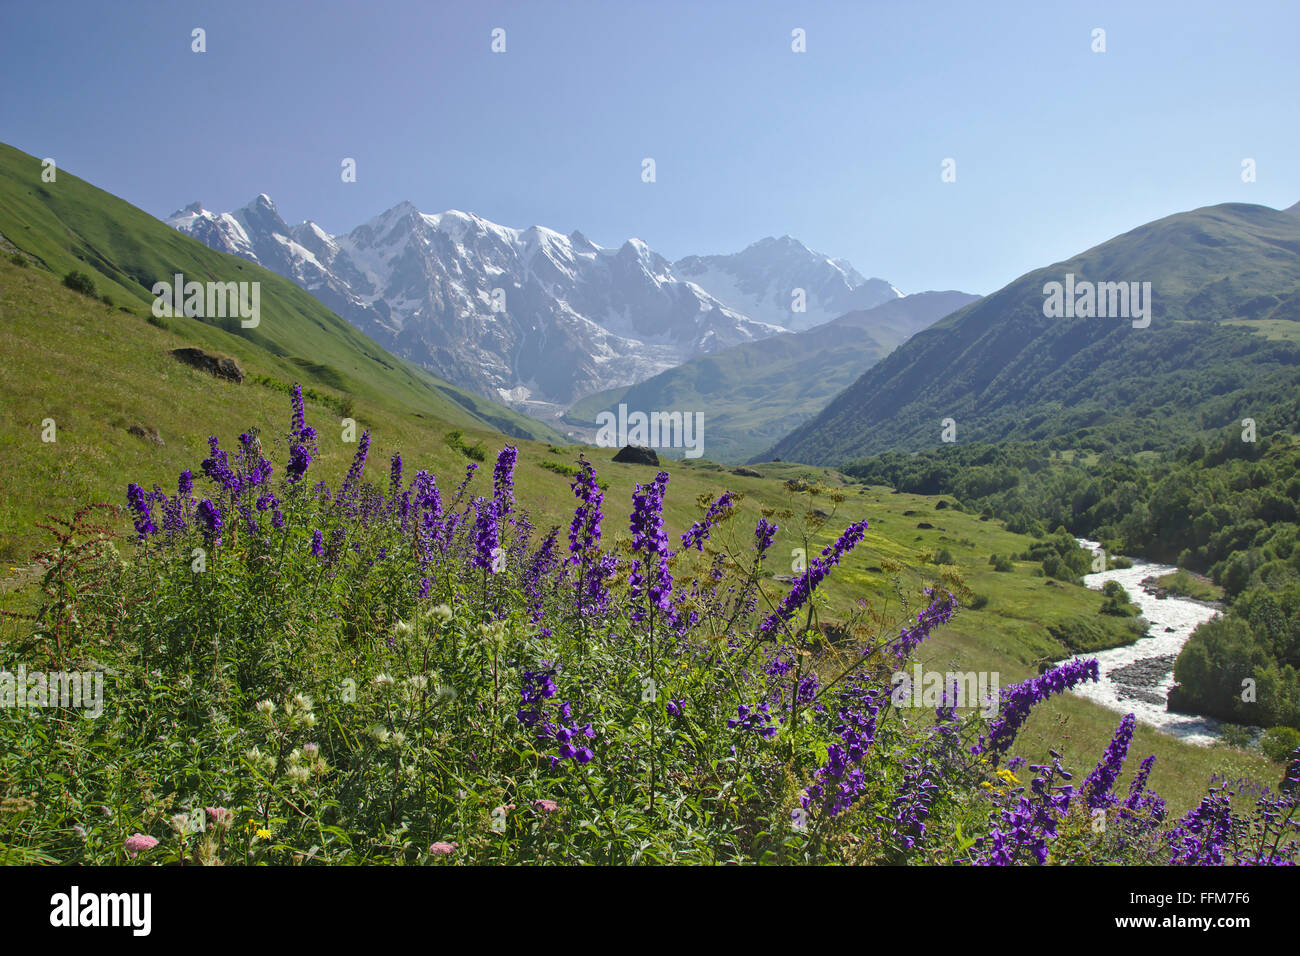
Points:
(1057, 148)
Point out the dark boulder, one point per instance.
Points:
(746, 472)
(217, 365)
(637, 455)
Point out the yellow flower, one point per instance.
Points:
(1008, 777)
(263, 833)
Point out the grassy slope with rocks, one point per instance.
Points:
(98, 370)
(303, 697)
(69, 225)
(122, 375)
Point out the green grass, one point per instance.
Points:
(1187, 584)
(96, 371)
(69, 225)
(1279, 330)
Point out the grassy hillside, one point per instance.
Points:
(69, 225)
(360, 694)
(1002, 370)
(96, 371)
(753, 394)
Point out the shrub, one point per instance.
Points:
(1235, 735)
(560, 468)
(80, 282)
(456, 439)
(1279, 743)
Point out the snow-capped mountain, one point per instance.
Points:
(527, 316)
(761, 282)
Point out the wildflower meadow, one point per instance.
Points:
(409, 668)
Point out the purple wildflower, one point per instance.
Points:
(487, 541)
(764, 535)
(650, 574)
(503, 481)
(143, 508)
(584, 531)
(698, 533)
(217, 467)
(939, 612)
(210, 520)
(1097, 787)
(1019, 699)
(807, 583)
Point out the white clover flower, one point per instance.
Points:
(378, 733)
(442, 613)
(397, 739)
(401, 627)
(266, 707)
(384, 681)
(303, 702)
(298, 774)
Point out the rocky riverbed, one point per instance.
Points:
(1137, 678)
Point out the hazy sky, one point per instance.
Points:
(1057, 148)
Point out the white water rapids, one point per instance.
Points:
(1136, 679)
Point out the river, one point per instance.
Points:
(1136, 679)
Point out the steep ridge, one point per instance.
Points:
(68, 225)
(1221, 344)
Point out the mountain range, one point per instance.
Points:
(1222, 345)
(532, 317)
(753, 394)
(70, 225)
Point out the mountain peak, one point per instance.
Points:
(581, 242)
(403, 208)
(786, 242)
(193, 209)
